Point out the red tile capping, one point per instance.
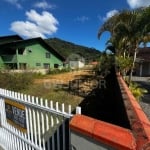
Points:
(109, 134)
(138, 120)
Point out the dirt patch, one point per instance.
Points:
(77, 82)
(69, 88)
(65, 77)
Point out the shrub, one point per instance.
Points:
(137, 91)
(57, 71)
(16, 81)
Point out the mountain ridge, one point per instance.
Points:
(66, 49)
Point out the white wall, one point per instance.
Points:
(76, 64)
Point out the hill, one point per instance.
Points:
(67, 48)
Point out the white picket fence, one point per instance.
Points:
(46, 124)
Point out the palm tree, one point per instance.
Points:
(128, 29)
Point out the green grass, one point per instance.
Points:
(56, 95)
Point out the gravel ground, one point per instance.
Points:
(144, 82)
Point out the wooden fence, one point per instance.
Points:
(31, 123)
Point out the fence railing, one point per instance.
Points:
(31, 123)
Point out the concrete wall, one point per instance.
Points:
(76, 64)
(82, 142)
(92, 134)
(140, 125)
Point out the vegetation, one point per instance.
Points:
(16, 81)
(123, 64)
(137, 91)
(67, 48)
(106, 63)
(56, 94)
(129, 29)
(57, 71)
(25, 83)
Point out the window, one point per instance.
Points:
(46, 66)
(38, 64)
(29, 50)
(56, 65)
(48, 55)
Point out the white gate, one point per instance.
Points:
(30, 123)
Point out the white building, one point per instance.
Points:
(76, 61)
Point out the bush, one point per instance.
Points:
(57, 71)
(16, 81)
(137, 91)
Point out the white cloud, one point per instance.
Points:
(14, 2)
(138, 3)
(36, 25)
(82, 19)
(44, 5)
(110, 14)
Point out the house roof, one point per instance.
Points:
(143, 54)
(20, 43)
(9, 38)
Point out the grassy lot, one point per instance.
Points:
(54, 94)
(56, 87)
(53, 87)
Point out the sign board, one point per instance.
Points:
(16, 115)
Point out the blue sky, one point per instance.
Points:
(75, 21)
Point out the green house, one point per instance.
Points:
(34, 53)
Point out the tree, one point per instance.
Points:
(128, 30)
(106, 63)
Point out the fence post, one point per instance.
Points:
(78, 110)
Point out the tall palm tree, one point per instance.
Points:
(128, 29)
